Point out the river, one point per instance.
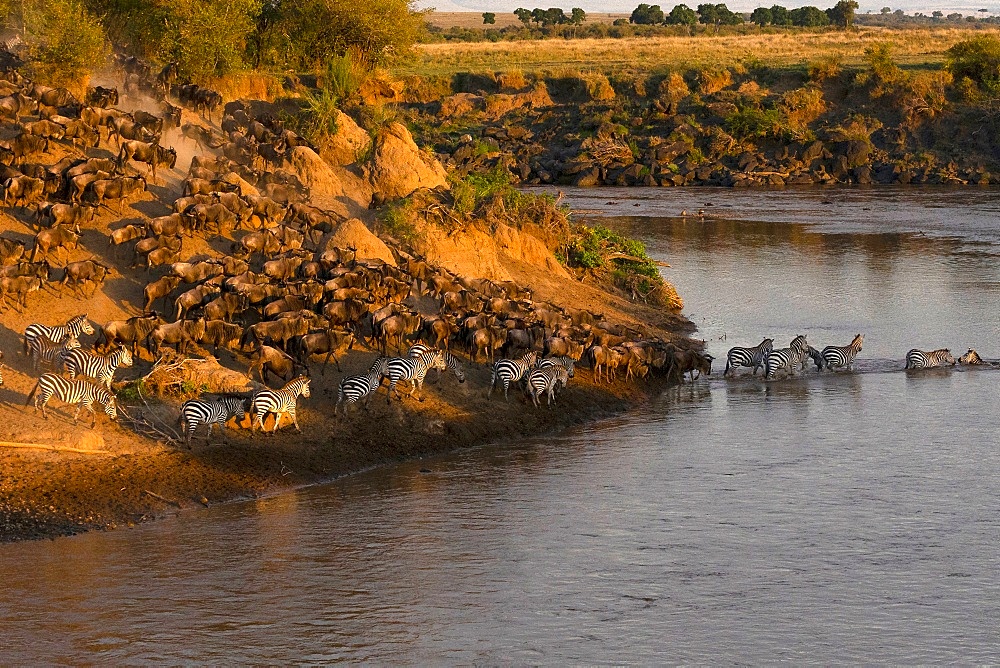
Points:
(825, 519)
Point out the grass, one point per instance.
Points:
(911, 48)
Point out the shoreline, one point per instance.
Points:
(84, 493)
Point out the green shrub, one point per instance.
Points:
(65, 41)
(978, 60)
(751, 123)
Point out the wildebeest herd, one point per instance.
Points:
(280, 295)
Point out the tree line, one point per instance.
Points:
(842, 14)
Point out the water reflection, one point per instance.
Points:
(828, 518)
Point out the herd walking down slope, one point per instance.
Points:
(244, 263)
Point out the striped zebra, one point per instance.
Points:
(787, 358)
(751, 357)
(357, 388)
(99, 367)
(918, 359)
(567, 363)
(450, 361)
(508, 371)
(546, 381)
(50, 353)
(79, 392)
(836, 357)
(278, 402)
(196, 412)
(74, 328)
(413, 370)
(971, 358)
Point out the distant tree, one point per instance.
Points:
(886, 10)
(938, 14)
(842, 14)
(718, 15)
(523, 15)
(647, 15)
(761, 16)
(899, 13)
(682, 15)
(956, 16)
(489, 18)
(620, 22)
(577, 16)
(780, 16)
(809, 17)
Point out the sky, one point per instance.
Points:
(910, 6)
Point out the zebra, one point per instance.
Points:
(79, 392)
(74, 328)
(546, 381)
(843, 356)
(44, 350)
(971, 358)
(565, 362)
(278, 402)
(99, 367)
(509, 371)
(353, 389)
(418, 349)
(196, 412)
(413, 370)
(753, 357)
(918, 359)
(787, 358)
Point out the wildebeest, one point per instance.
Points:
(144, 247)
(22, 190)
(102, 97)
(275, 330)
(160, 257)
(160, 289)
(180, 334)
(24, 145)
(11, 251)
(329, 341)
(221, 334)
(277, 362)
(128, 233)
(120, 189)
(196, 273)
(64, 215)
(87, 271)
(18, 287)
(201, 216)
(172, 225)
(125, 127)
(45, 128)
(56, 237)
(128, 332)
(193, 298)
(225, 306)
(151, 154)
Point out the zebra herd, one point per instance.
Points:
(91, 375)
(763, 355)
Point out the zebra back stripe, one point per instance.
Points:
(545, 381)
(748, 357)
(73, 328)
(841, 356)
(787, 358)
(99, 367)
(48, 352)
(79, 392)
(197, 412)
(509, 371)
(278, 402)
(919, 359)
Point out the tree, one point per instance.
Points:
(809, 17)
(489, 18)
(977, 59)
(682, 15)
(937, 14)
(780, 16)
(577, 16)
(647, 15)
(761, 16)
(718, 15)
(524, 16)
(842, 14)
(886, 10)
(64, 40)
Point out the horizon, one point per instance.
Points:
(625, 7)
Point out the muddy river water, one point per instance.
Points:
(825, 519)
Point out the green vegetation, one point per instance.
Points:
(623, 259)
(64, 40)
(976, 61)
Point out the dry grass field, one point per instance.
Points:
(914, 47)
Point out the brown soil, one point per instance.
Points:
(131, 479)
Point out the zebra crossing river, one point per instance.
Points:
(827, 519)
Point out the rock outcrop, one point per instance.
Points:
(398, 167)
(354, 234)
(349, 141)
